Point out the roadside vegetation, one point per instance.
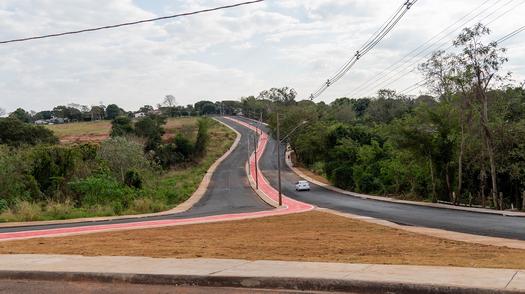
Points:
(464, 144)
(135, 170)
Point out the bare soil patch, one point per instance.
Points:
(313, 236)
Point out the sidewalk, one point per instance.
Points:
(357, 278)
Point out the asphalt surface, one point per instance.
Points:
(229, 192)
(61, 287)
(405, 214)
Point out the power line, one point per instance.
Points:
(366, 47)
(421, 48)
(401, 70)
(130, 23)
(511, 35)
(499, 41)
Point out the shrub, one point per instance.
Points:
(202, 137)
(101, 190)
(14, 132)
(15, 183)
(151, 129)
(3, 205)
(122, 155)
(53, 165)
(27, 211)
(121, 126)
(59, 210)
(133, 179)
(147, 205)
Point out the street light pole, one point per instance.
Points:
(279, 141)
(248, 141)
(279, 161)
(256, 172)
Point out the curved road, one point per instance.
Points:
(405, 214)
(228, 193)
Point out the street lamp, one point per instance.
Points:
(279, 141)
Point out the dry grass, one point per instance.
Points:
(96, 131)
(313, 236)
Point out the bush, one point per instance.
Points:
(54, 165)
(133, 179)
(16, 133)
(121, 126)
(15, 182)
(101, 190)
(151, 129)
(202, 137)
(122, 155)
(3, 205)
(59, 210)
(27, 211)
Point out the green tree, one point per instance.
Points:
(479, 64)
(16, 133)
(123, 155)
(121, 126)
(21, 115)
(201, 143)
(112, 111)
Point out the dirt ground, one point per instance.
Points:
(313, 236)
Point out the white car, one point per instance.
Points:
(302, 186)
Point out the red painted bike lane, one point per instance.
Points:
(289, 206)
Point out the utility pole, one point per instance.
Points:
(279, 161)
(256, 172)
(248, 140)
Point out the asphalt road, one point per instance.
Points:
(228, 192)
(63, 287)
(405, 214)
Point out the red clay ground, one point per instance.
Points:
(312, 236)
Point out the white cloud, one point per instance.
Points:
(220, 55)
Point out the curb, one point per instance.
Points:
(276, 283)
(182, 207)
(392, 200)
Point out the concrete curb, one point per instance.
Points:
(392, 200)
(185, 206)
(246, 282)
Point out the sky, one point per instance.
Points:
(229, 54)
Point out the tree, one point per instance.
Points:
(170, 101)
(45, 114)
(112, 111)
(122, 156)
(438, 71)
(14, 132)
(480, 64)
(146, 109)
(121, 126)
(21, 115)
(199, 107)
(2, 112)
(201, 143)
(151, 129)
(97, 113)
(283, 95)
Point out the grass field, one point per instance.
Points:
(99, 131)
(82, 131)
(312, 236)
